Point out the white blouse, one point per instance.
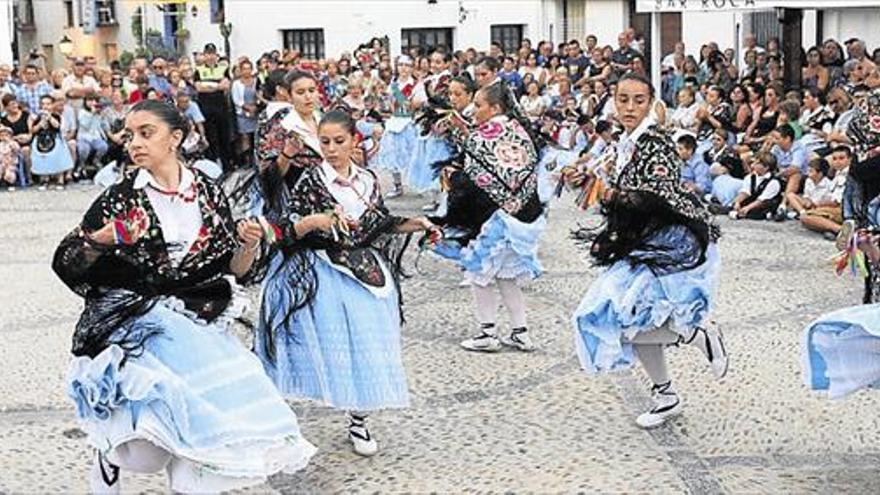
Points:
(179, 214)
(353, 193)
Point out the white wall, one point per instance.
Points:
(257, 24)
(843, 24)
(606, 19)
(699, 28)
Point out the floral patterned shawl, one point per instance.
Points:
(274, 129)
(501, 159)
(864, 129)
(362, 252)
(122, 281)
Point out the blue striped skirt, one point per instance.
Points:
(398, 144)
(343, 349)
(841, 351)
(504, 249)
(195, 392)
(428, 151)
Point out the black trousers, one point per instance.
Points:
(218, 131)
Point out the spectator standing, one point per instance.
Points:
(91, 142)
(78, 84)
(212, 83)
(50, 156)
(244, 98)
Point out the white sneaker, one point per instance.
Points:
(711, 343)
(666, 405)
(394, 193)
(431, 207)
(104, 477)
(483, 342)
(464, 283)
(520, 339)
(364, 444)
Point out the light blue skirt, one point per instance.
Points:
(343, 349)
(553, 160)
(398, 145)
(504, 249)
(56, 161)
(429, 150)
(725, 188)
(195, 392)
(626, 300)
(841, 351)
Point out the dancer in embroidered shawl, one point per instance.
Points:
(659, 244)
(494, 217)
(157, 379)
(330, 323)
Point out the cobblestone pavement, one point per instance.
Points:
(507, 422)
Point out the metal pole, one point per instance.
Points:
(144, 25)
(656, 49)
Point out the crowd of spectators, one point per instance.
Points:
(752, 147)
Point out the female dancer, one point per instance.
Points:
(431, 148)
(400, 139)
(287, 137)
(494, 209)
(659, 242)
(157, 380)
(330, 323)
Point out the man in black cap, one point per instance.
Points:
(212, 83)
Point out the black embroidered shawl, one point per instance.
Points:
(358, 251)
(269, 143)
(120, 282)
(497, 169)
(649, 197)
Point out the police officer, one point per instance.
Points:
(212, 83)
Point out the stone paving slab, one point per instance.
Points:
(498, 423)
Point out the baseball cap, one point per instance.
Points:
(210, 48)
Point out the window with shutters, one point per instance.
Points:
(308, 42)
(428, 39)
(509, 35)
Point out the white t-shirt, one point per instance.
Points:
(838, 185)
(818, 193)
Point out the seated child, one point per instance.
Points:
(761, 192)
(817, 190)
(827, 216)
(10, 153)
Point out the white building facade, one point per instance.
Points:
(327, 28)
